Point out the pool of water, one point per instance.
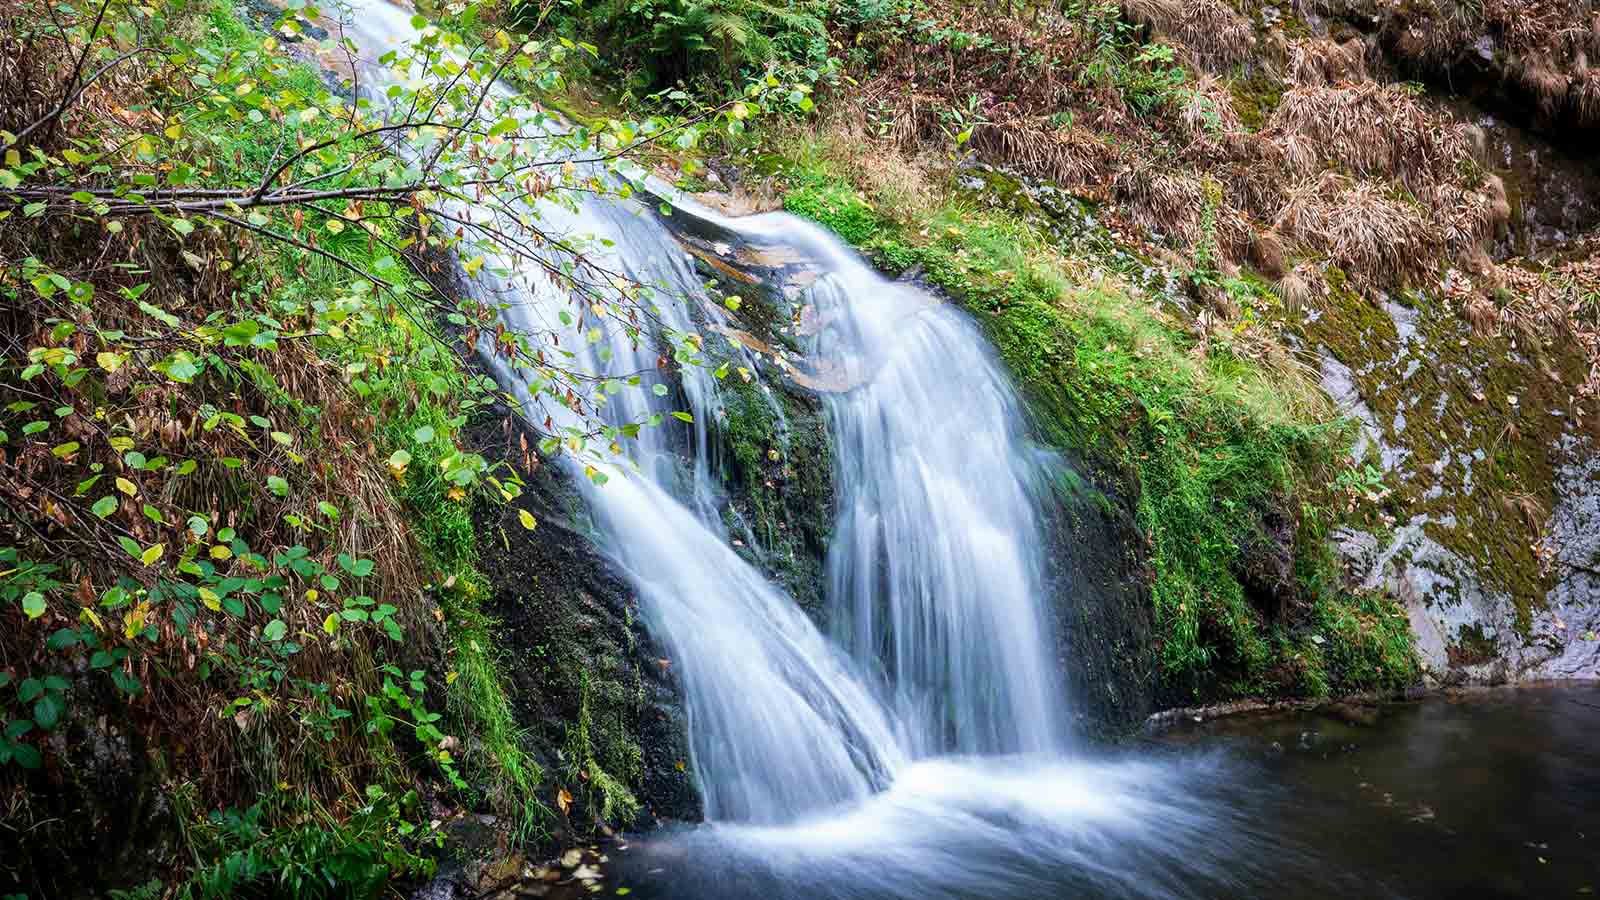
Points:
(1492, 794)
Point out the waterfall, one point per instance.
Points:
(935, 570)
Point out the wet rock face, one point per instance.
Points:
(1486, 527)
(95, 814)
(577, 649)
(1098, 583)
(1265, 565)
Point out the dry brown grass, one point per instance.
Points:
(1297, 288)
(1585, 99)
(1269, 255)
(1320, 62)
(1212, 34)
(1162, 201)
(1361, 228)
(1342, 171)
(1072, 156)
(1372, 131)
(1205, 112)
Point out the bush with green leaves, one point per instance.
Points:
(231, 406)
(709, 45)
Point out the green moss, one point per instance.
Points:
(837, 206)
(780, 472)
(588, 766)
(1255, 98)
(1474, 424)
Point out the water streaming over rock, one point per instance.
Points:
(935, 572)
(935, 569)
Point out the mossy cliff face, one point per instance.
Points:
(1485, 522)
(603, 715)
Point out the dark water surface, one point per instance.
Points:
(1493, 794)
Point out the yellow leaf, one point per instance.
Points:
(109, 361)
(219, 551)
(210, 599)
(152, 553)
(122, 443)
(133, 622)
(311, 595)
(94, 620)
(126, 486)
(564, 800)
(331, 623)
(450, 677)
(13, 158)
(527, 520)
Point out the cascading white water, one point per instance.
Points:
(918, 753)
(936, 565)
(780, 722)
(935, 572)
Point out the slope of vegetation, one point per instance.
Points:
(246, 646)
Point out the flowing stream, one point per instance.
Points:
(919, 749)
(922, 742)
(935, 572)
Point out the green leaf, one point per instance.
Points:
(282, 438)
(29, 689)
(423, 435)
(33, 604)
(105, 506)
(180, 366)
(26, 756)
(683, 416)
(275, 630)
(199, 526)
(277, 486)
(47, 711)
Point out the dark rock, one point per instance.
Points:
(578, 651)
(1265, 564)
(1098, 585)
